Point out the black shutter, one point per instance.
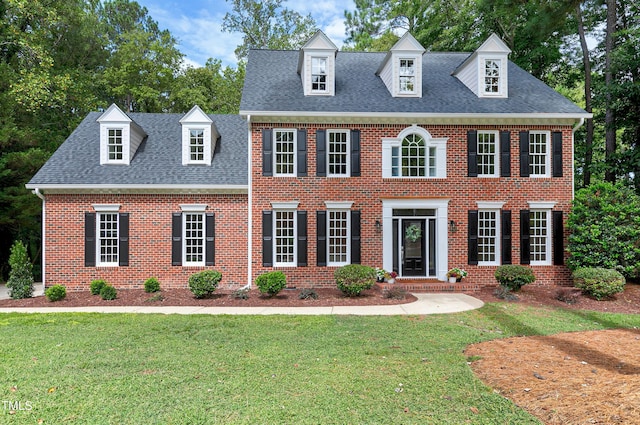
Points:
(301, 155)
(123, 235)
(321, 236)
(176, 239)
(267, 238)
(355, 153)
(505, 234)
(525, 248)
(267, 152)
(89, 239)
(556, 149)
(355, 237)
(302, 238)
(472, 153)
(472, 216)
(210, 242)
(524, 154)
(505, 154)
(321, 153)
(558, 238)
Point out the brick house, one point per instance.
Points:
(409, 160)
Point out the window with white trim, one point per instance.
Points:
(414, 154)
(488, 237)
(488, 154)
(285, 152)
(492, 74)
(108, 238)
(285, 236)
(407, 77)
(318, 74)
(540, 237)
(338, 237)
(539, 154)
(194, 238)
(338, 146)
(115, 144)
(196, 144)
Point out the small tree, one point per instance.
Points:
(605, 229)
(20, 281)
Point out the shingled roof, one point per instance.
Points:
(157, 162)
(272, 84)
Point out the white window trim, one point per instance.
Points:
(547, 158)
(484, 205)
(541, 205)
(106, 209)
(415, 76)
(186, 144)
(186, 263)
(326, 74)
(496, 153)
(439, 143)
(501, 76)
(124, 131)
(295, 153)
(293, 263)
(348, 237)
(498, 236)
(338, 205)
(548, 246)
(328, 143)
(193, 207)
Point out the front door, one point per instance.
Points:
(413, 247)
(414, 243)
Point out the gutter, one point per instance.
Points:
(39, 194)
(573, 154)
(250, 208)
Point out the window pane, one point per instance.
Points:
(491, 76)
(487, 236)
(538, 153)
(319, 74)
(114, 144)
(413, 156)
(194, 238)
(538, 235)
(338, 151)
(338, 237)
(108, 238)
(285, 152)
(285, 237)
(487, 154)
(196, 144)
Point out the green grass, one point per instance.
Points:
(156, 369)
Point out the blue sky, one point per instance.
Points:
(197, 24)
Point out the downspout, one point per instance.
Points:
(250, 207)
(573, 153)
(44, 245)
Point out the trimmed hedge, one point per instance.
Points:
(352, 279)
(151, 285)
(108, 293)
(598, 282)
(96, 286)
(513, 276)
(20, 283)
(271, 283)
(55, 293)
(204, 283)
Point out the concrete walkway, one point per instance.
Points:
(426, 304)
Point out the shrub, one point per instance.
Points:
(55, 293)
(567, 295)
(271, 283)
(96, 286)
(604, 226)
(394, 293)
(241, 294)
(307, 294)
(151, 285)
(352, 279)
(513, 276)
(204, 283)
(108, 293)
(598, 282)
(20, 283)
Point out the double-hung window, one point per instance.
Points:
(539, 154)
(194, 238)
(488, 237)
(196, 145)
(488, 154)
(114, 144)
(108, 238)
(338, 146)
(318, 74)
(285, 152)
(338, 237)
(284, 226)
(414, 154)
(407, 76)
(492, 74)
(540, 237)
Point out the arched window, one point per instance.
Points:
(414, 154)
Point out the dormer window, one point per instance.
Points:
(120, 137)
(114, 144)
(407, 76)
(199, 136)
(492, 71)
(319, 74)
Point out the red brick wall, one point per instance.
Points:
(149, 240)
(367, 191)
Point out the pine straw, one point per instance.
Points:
(572, 378)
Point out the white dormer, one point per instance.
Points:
(199, 137)
(317, 66)
(485, 71)
(120, 137)
(401, 69)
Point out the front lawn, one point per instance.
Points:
(156, 369)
